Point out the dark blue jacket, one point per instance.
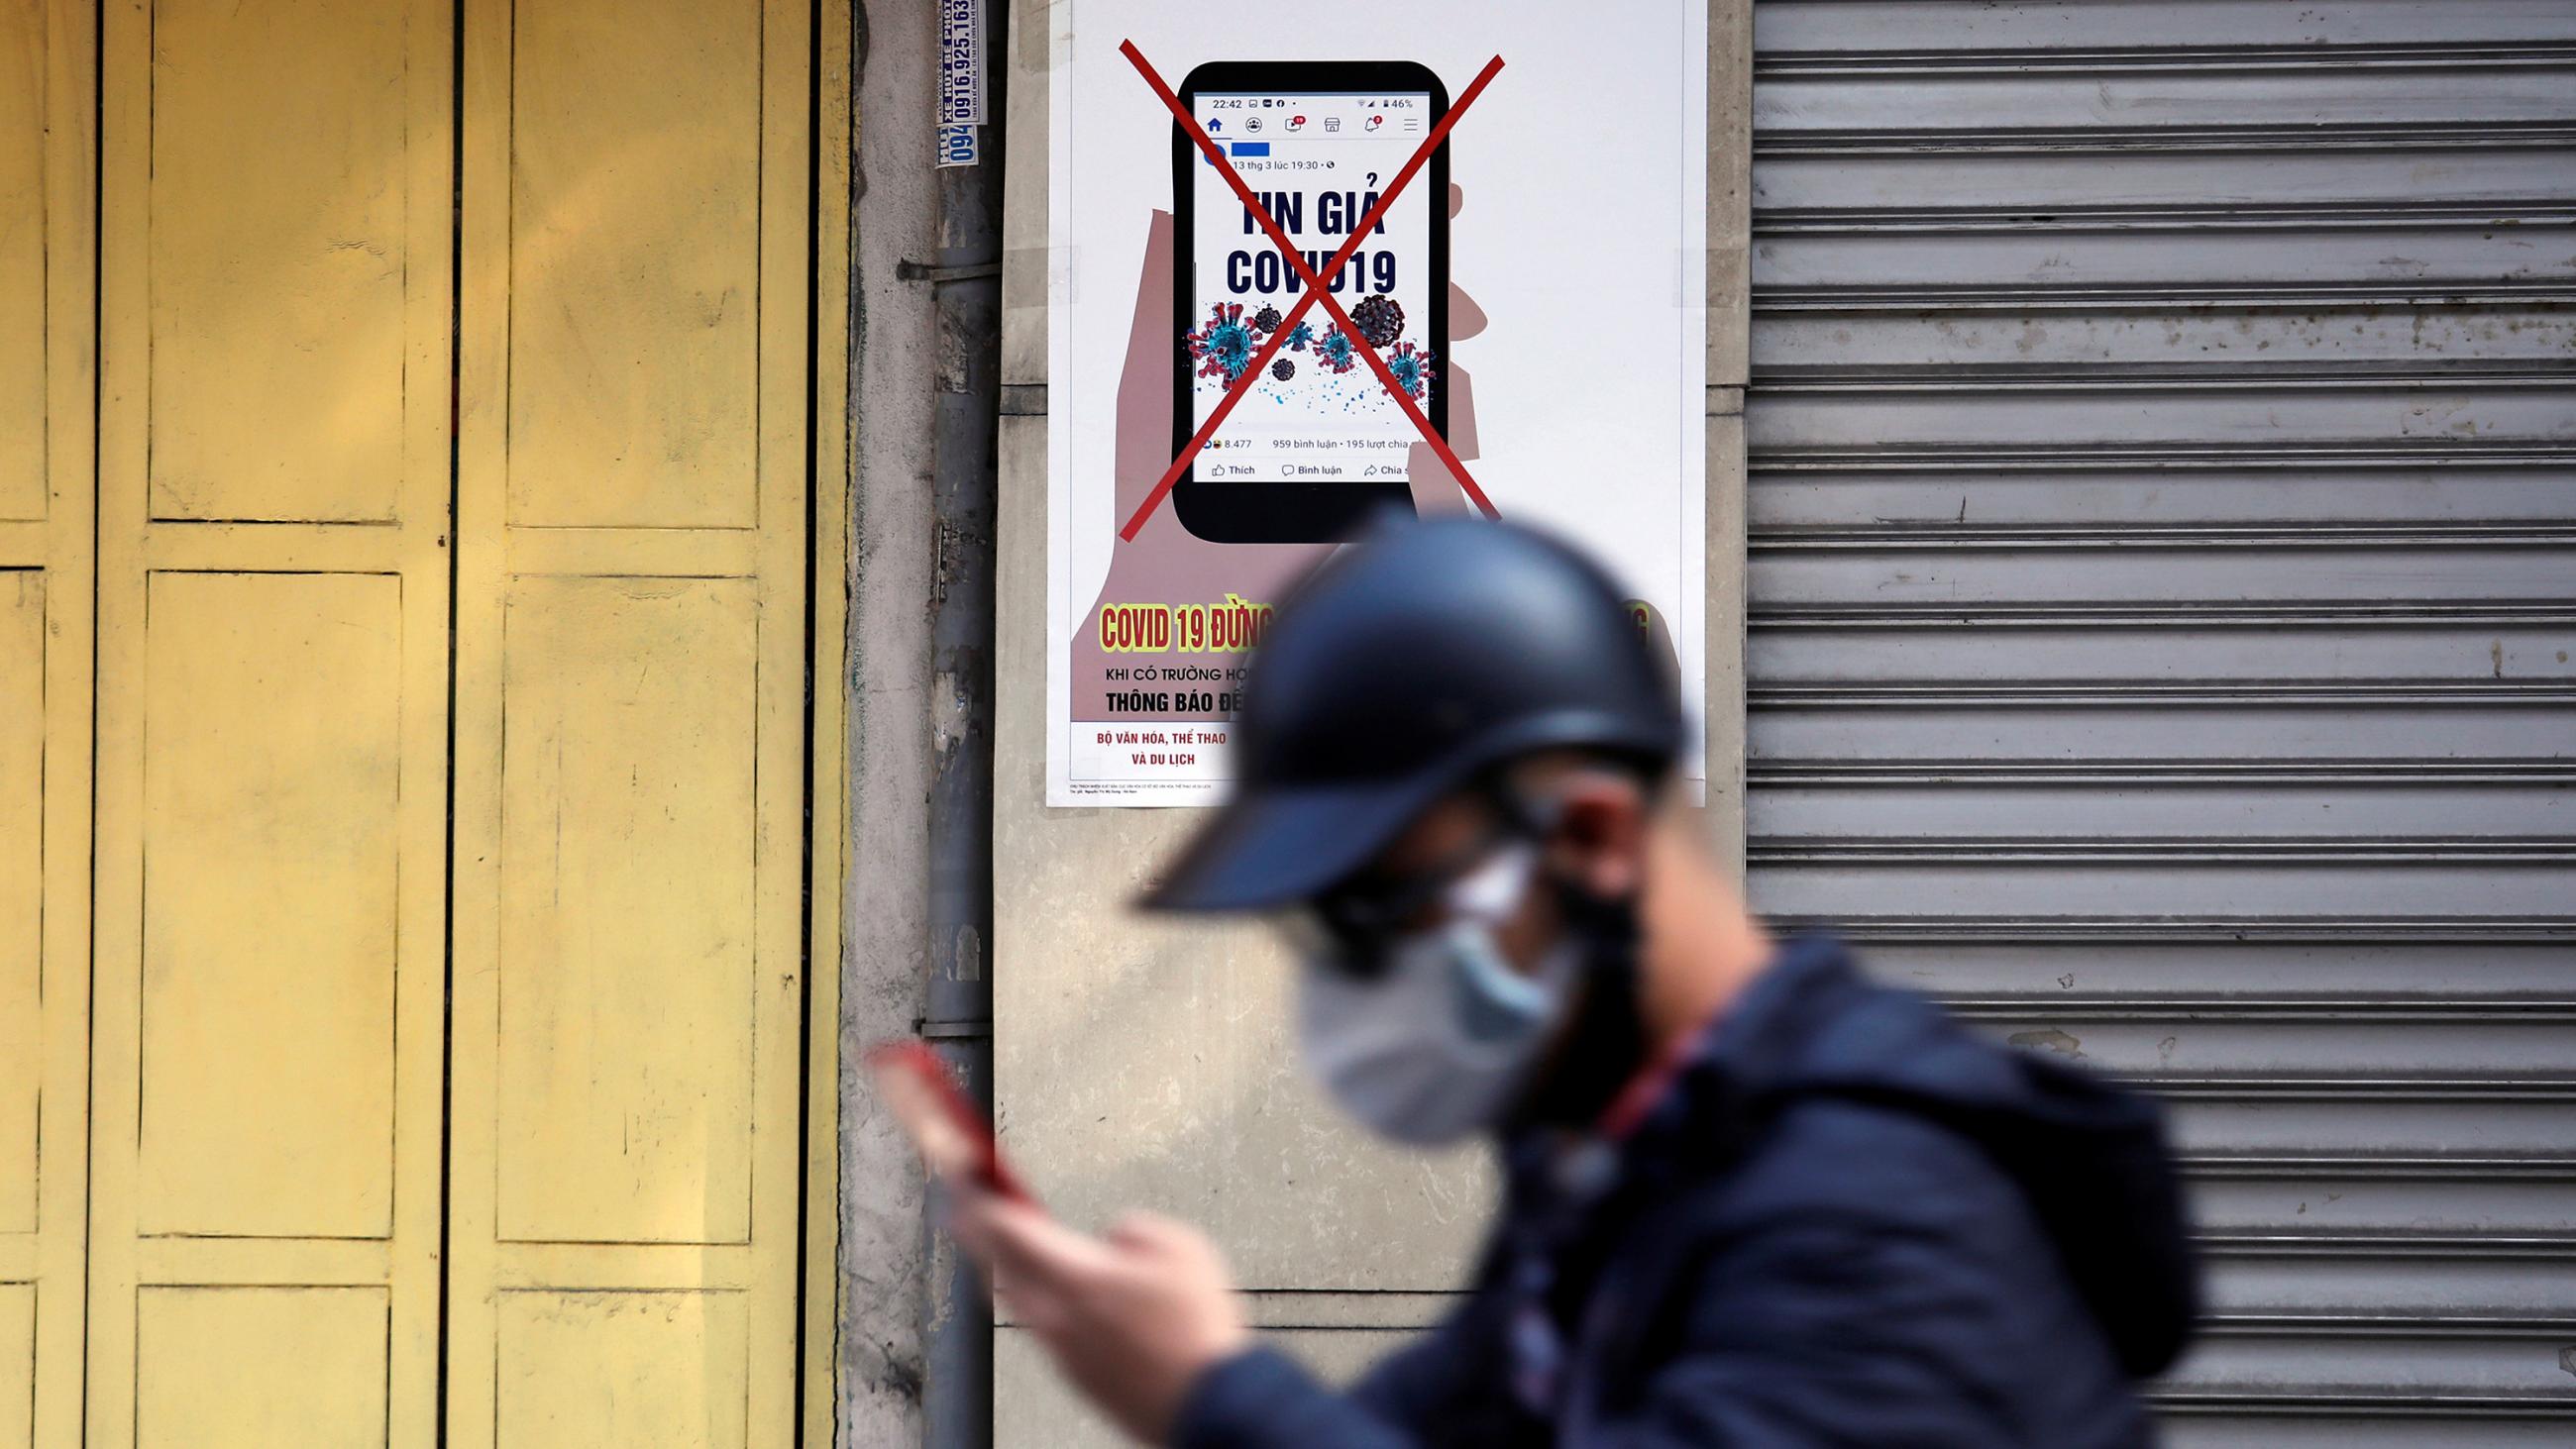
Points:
(1848, 1222)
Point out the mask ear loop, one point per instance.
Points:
(1605, 1040)
(1360, 942)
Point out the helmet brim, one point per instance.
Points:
(1283, 844)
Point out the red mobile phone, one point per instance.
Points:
(945, 1125)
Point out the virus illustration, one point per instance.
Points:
(1283, 369)
(1266, 320)
(1412, 368)
(1336, 353)
(1380, 319)
(1223, 344)
(1300, 335)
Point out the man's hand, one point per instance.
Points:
(1131, 1318)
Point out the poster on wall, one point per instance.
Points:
(1310, 267)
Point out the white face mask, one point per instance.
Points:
(1439, 1044)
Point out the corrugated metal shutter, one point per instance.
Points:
(2163, 536)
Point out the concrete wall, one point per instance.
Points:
(1146, 1064)
(885, 952)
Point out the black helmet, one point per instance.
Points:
(1406, 667)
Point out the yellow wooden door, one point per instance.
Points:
(47, 548)
(268, 983)
(402, 928)
(630, 652)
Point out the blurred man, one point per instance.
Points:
(1753, 1199)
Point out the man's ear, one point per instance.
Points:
(1599, 839)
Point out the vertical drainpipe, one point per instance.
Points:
(966, 283)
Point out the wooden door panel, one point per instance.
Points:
(47, 552)
(273, 485)
(272, 780)
(262, 1365)
(18, 1365)
(635, 264)
(22, 897)
(22, 262)
(625, 1370)
(278, 260)
(632, 531)
(629, 911)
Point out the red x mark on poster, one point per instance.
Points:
(1315, 284)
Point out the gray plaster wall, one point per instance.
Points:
(885, 941)
(1144, 1064)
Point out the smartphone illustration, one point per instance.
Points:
(1318, 443)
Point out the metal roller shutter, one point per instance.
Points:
(2163, 536)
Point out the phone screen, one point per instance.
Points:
(1319, 439)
